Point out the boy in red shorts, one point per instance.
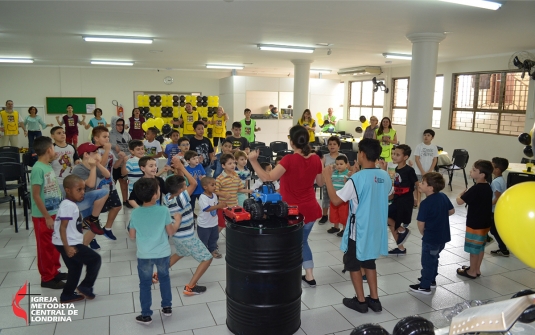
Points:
(338, 214)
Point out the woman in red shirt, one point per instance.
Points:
(298, 173)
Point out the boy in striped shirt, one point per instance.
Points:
(186, 243)
(132, 168)
(227, 186)
(338, 214)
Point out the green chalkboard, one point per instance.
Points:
(58, 105)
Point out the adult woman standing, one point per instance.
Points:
(33, 124)
(369, 132)
(98, 120)
(388, 137)
(297, 173)
(308, 122)
(136, 122)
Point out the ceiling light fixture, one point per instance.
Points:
(476, 3)
(320, 70)
(285, 48)
(229, 67)
(105, 62)
(361, 70)
(16, 60)
(118, 39)
(397, 56)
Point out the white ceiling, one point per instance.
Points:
(193, 33)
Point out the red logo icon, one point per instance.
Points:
(17, 309)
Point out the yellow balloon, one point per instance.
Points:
(150, 123)
(515, 221)
(159, 122)
(145, 126)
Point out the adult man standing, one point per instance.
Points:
(330, 117)
(10, 121)
(187, 118)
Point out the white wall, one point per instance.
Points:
(479, 146)
(30, 85)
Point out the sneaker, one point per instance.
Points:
(94, 245)
(355, 304)
(504, 253)
(53, 284)
(333, 230)
(167, 311)
(197, 289)
(416, 288)
(374, 304)
(127, 204)
(61, 276)
(323, 219)
(364, 279)
(216, 254)
(402, 237)
(433, 283)
(311, 283)
(397, 251)
(340, 233)
(489, 239)
(93, 225)
(109, 234)
(67, 299)
(405, 225)
(87, 292)
(146, 320)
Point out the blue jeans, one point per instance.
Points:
(430, 256)
(209, 237)
(144, 269)
(32, 135)
(308, 263)
(86, 206)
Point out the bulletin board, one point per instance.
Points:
(81, 105)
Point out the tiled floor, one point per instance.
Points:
(117, 303)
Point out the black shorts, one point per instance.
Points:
(217, 140)
(401, 211)
(112, 202)
(352, 263)
(116, 173)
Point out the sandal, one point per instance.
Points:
(466, 267)
(462, 272)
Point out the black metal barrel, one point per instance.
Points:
(264, 279)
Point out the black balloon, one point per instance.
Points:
(414, 325)
(164, 109)
(205, 104)
(146, 109)
(369, 329)
(166, 129)
(175, 98)
(175, 103)
(199, 98)
(169, 109)
(182, 103)
(528, 151)
(152, 97)
(152, 103)
(160, 139)
(358, 130)
(524, 138)
(158, 104)
(205, 99)
(149, 116)
(158, 98)
(182, 98)
(199, 104)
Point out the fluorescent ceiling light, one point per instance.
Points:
(320, 70)
(118, 39)
(476, 3)
(397, 56)
(286, 48)
(230, 67)
(16, 60)
(105, 62)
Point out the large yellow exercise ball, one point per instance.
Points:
(515, 221)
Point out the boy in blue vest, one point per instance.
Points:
(366, 235)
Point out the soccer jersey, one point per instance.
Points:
(181, 204)
(248, 129)
(71, 125)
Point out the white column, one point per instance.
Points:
(301, 86)
(422, 85)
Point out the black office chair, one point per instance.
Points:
(277, 146)
(15, 156)
(351, 156)
(459, 161)
(14, 172)
(284, 153)
(346, 145)
(263, 159)
(514, 178)
(255, 144)
(265, 151)
(10, 149)
(324, 149)
(12, 204)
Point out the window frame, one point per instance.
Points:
(499, 110)
(372, 106)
